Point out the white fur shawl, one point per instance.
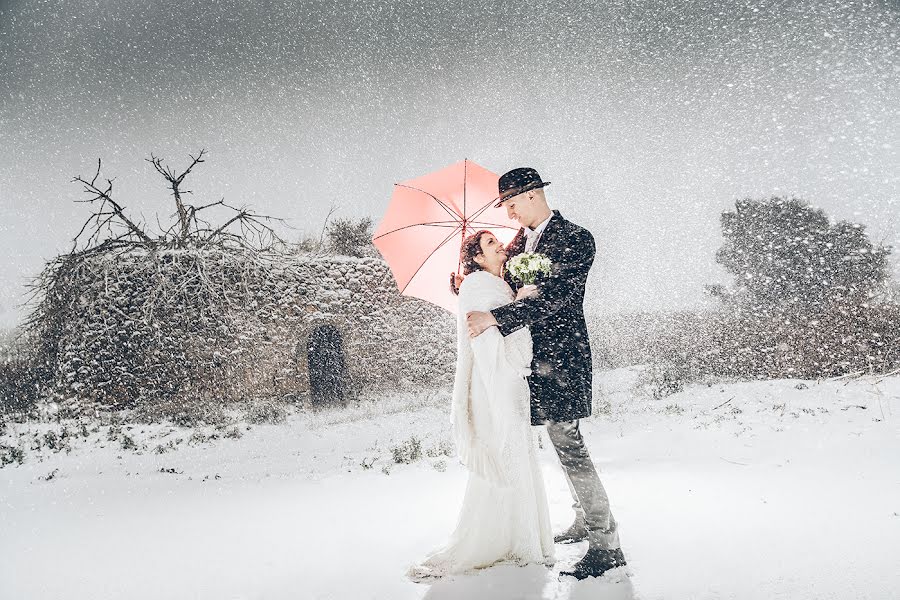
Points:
(490, 372)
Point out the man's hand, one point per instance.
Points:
(527, 291)
(479, 321)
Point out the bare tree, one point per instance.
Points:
(109, 226)
(110, 231)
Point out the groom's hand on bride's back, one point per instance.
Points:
(478, 321)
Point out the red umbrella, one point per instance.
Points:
(426, 222)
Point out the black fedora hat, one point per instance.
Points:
(512, 183)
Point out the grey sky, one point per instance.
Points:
(649, 117)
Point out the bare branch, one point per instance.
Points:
(198, 159)
(331, 210)
(105, 197)
(185, 215)
(205, 206)
(241, 214)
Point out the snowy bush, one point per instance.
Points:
(181, 412)
(10, 455)
(266, 412)
(408, 451)
(442, 448)
(663, 379)
(127, 442)
(806, 344)
(19, 385)
(350, 237)
(623, 340)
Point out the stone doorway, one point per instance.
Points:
(326, 366)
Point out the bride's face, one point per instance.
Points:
(493, 254)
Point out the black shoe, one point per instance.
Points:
(577, 532)
(595, 563)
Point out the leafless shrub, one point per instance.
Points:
(350, 237)
(264, 412)
(407, 451)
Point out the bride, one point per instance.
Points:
(504, 516)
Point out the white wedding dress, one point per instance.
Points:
(504, 515)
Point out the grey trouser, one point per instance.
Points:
(591, 503)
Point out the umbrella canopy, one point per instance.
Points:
(426, 221)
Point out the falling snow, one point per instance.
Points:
(649, 117)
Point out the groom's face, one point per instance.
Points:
(521, 208)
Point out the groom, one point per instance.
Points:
(561, 370)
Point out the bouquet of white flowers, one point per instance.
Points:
(527, 266)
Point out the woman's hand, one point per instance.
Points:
(455, 282)
(527, 291)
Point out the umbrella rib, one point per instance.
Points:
(433, 197)
(485, 223)
(430, 224)
(427, 258)
(482, 209)
(465, 174)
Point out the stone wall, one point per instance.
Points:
(221, 326)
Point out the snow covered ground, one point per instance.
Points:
(751, 490)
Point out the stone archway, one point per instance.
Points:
(326, 365)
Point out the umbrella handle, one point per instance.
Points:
(455, 281)
(462, 241)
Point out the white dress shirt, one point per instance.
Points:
(533, 235)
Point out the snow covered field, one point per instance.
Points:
(752, 490)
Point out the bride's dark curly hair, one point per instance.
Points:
(471, 247)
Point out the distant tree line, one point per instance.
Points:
(809, 298)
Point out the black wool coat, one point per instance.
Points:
(560, 379)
